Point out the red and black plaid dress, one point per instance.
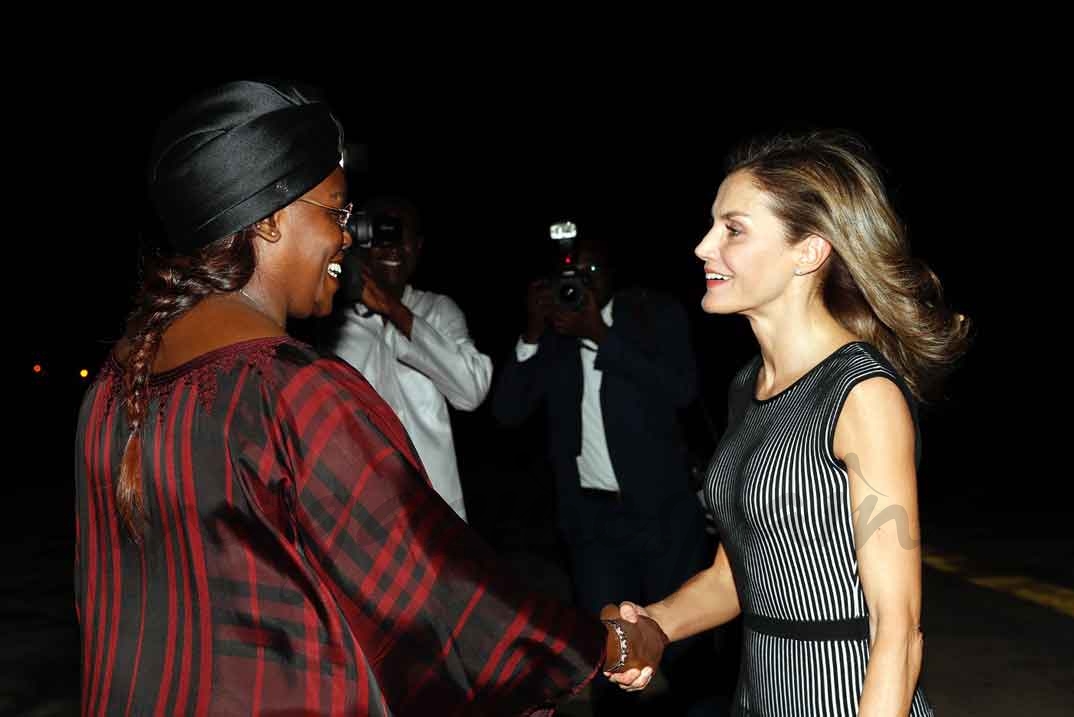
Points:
(296, 559)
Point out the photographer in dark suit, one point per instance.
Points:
(613, 370)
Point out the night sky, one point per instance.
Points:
(636, 156)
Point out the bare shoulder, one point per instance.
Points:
(878, 393)
(875, 412)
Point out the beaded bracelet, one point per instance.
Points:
(623, 645)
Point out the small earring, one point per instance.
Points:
(797, 272)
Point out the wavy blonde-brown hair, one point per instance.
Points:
(827, 183)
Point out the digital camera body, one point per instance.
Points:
(368, 231)
(569, 283)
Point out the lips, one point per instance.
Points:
(715, 278)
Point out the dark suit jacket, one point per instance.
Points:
(649, 374)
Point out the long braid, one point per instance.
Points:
(171, 288)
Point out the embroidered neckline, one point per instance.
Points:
(201, 371)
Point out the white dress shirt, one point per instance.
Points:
(414, 376)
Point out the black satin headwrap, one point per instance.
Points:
(237, 153)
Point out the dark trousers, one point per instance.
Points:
(623, 555)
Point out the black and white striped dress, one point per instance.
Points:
(781, 501)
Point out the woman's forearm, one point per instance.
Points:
(707, 600)
(894, 667)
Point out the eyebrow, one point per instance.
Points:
(734, 213)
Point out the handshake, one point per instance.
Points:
(634, 647)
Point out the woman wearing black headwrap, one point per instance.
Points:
(255, 532)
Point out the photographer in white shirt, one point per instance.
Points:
(413, 347)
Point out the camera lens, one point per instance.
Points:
(570, 293)
(360, 228)
(378, 230)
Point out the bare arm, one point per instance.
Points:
(875, 438)
(705, 601)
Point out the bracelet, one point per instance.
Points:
(623, 646)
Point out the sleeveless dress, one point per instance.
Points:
(781, 501)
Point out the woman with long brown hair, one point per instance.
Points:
(813, 485)
(255, 532)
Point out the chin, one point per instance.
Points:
(322, 301)
(321, 308)
(711, 305)
(394, 284)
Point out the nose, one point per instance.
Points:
(348, 240)
(707, 247)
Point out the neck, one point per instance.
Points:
(792, 342)
(256, 299)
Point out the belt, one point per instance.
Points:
(856, 628)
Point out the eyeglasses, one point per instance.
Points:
(342, 215)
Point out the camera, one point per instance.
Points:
(569, 283)
(368, 231)
(569, 287)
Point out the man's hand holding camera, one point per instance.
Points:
(542, 311)
(539, 307)
(379, 301)
(585, 323)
